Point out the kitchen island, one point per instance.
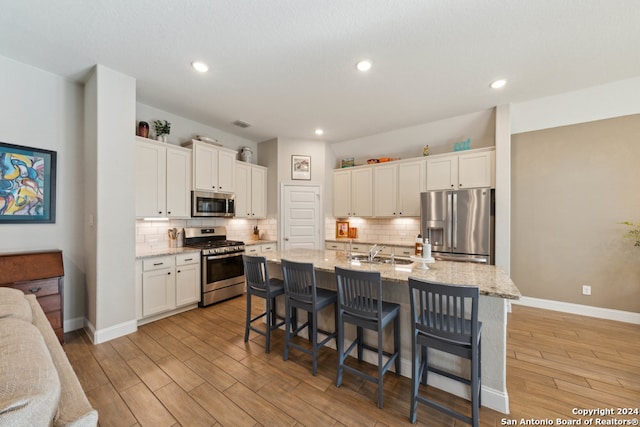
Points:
(495, 286)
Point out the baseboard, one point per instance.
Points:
(112, 332)
(74, 324)
(583, 310)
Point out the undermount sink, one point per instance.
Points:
(380, 260)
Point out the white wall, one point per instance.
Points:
(183, 129)
(408, 142)
(43, 110)
(615, 99)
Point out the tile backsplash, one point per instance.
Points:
(379, 230)
(154, 234)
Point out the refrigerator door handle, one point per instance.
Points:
(449, 221)
(454, 221)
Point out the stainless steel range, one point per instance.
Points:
(222, 269)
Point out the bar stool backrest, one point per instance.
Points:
(299, 281)
(444, 311)
(359, 292)
(256, 272)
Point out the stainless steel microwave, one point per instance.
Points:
(205, 204)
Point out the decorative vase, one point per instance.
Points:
(162, 138)
(246, 154)
(143, 129)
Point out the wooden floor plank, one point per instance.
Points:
(149, 372)
(146, 407)
(194, 368)
(112, 410)
(221, 407)
(182, 406)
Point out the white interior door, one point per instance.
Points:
(301, 217)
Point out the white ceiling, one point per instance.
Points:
(288, 66)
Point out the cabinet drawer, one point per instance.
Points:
(158, 263)
(334, 246)
(55, 318)
(39, 288)
(252, 250)
(186, 259)
(269, 247)
(50, 303)
(404, 251)
(358, 247)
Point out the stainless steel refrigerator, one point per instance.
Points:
(459, 224)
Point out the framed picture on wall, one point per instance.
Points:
(301, 167)
(27, 185)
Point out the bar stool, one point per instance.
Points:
(440, 321)
(357, 304)
(260, 285)
(300, 292)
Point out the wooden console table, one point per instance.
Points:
(42, 274)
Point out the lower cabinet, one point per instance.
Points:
(260, 248)
(167, 283)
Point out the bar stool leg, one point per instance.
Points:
(248, 322)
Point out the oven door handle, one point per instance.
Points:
(214, 257)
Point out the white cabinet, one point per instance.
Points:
(260, 248)
(353, 192)
(335, 246)
(178, 182)
(158, 285)
(471, 169)
(397, 188)
(163, 180)
(167, 283)
(251, 189)
(213, 167)
(187, 279)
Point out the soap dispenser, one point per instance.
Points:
(427, 249)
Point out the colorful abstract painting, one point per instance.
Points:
(27, 184)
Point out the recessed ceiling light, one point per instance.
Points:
(498, 84)
(319, 131)
(200, 66)
(364, 65)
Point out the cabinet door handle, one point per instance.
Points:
(159, 212)
(188, 259)
(34, 290)
(157, 263)
(169, 212)
(178, 271)
(169, 273)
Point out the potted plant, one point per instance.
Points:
(163, 129)
(634, 233)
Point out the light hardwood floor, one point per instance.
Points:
(194, 369)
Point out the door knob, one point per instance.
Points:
(286, 239)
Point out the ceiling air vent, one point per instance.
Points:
(241, 124)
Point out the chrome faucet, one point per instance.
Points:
(373, 252)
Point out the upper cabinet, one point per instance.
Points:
(163, 179)
(397, 188)
(251, 189)
(213, 167)
(353, 192)
(468, 169)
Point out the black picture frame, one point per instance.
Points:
(300, 167)
(27, 185)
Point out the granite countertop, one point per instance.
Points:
(491, 280)
(153, 251)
